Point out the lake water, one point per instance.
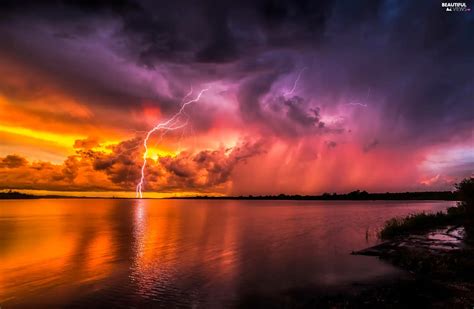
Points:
(190, 253)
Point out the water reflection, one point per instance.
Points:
(177, 252)
(41, 247)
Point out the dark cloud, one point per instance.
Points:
(331, 144)
(12, 161)
(416, 59)
(287, 117)
(297, 113)
(250, 95)
(370, 145)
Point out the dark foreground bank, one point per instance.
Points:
(437, 271)
(407, 292)
(440, 263)
(435, 251)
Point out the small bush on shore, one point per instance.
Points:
(465, 193)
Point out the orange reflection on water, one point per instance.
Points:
(175, 244)
(41, 249)
(191, 253)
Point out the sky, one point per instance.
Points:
(294, 97)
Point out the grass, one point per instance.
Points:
(462, 214)
(420, 222)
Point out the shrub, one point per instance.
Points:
(465, 194)
(415, 223)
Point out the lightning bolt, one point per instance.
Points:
(168, 125)
(360, 104)
(295, 84)
(187, 95)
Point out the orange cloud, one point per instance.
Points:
(95, 170)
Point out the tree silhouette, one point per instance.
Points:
(465, 194)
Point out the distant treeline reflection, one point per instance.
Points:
(354, 195)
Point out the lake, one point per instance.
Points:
(185, 253)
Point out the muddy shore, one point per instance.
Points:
(440, 264)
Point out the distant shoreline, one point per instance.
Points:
(352, 196)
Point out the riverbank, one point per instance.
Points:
(441, 264)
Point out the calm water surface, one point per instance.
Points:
(199, 253)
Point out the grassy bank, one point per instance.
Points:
(419, 223)
(440, 262)
(462, 214)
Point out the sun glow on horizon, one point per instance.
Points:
(116, 194)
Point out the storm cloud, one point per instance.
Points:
(414, 57)
(295, 72)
